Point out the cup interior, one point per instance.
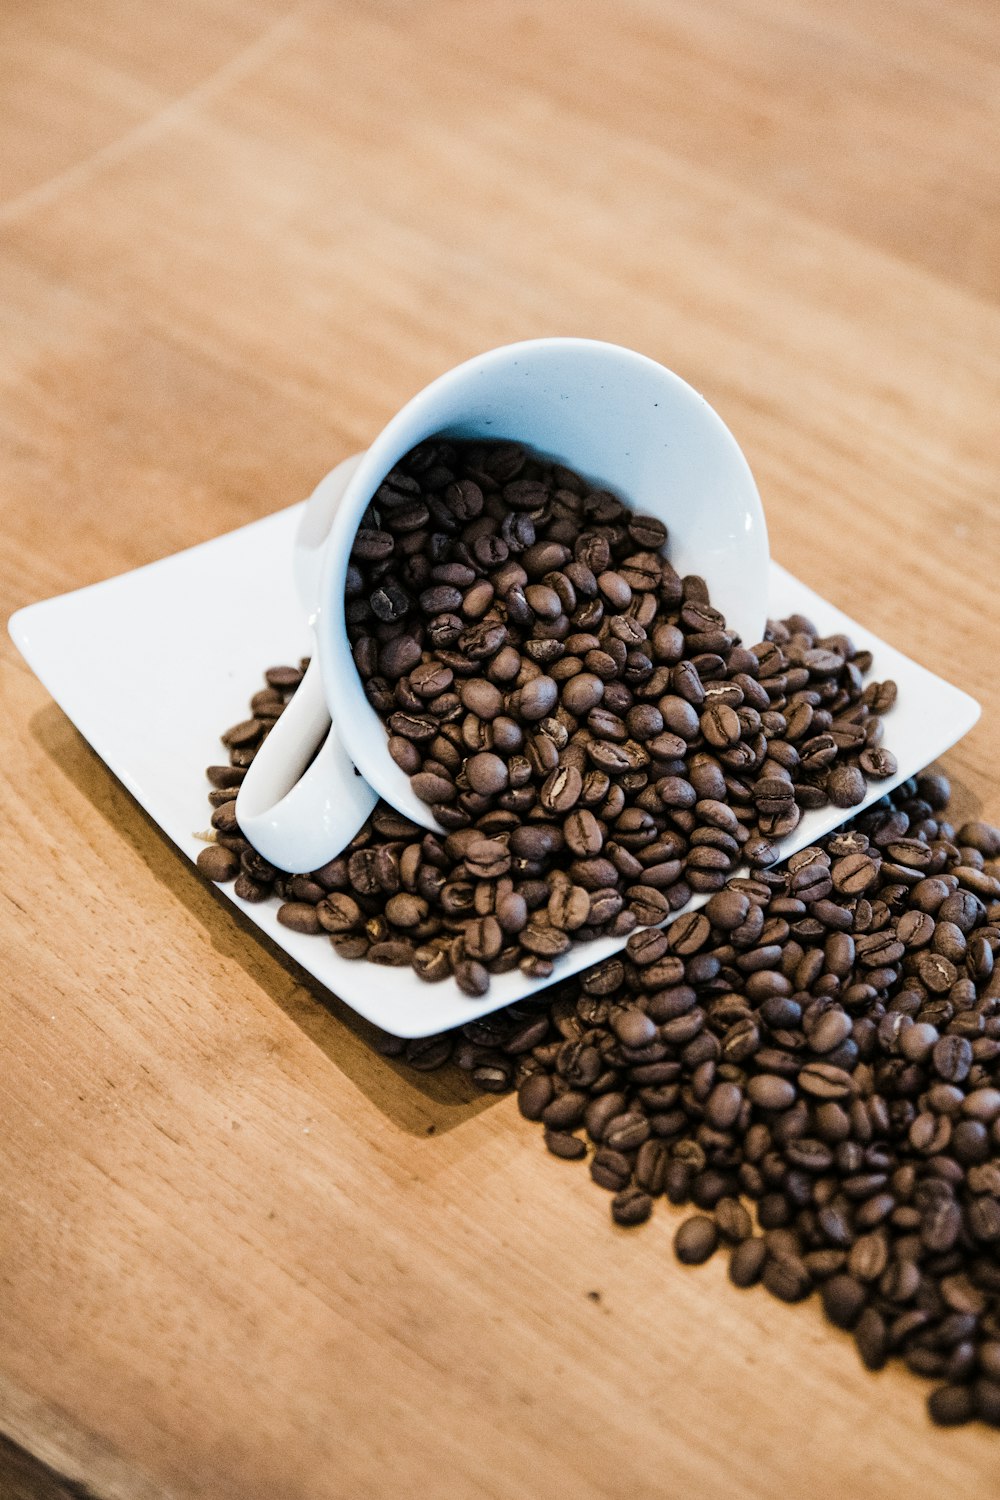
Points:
(622, 421)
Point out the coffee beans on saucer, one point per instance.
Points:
(593, 741)
(548, 681)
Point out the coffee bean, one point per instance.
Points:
(651, 1167)
(844, 1300)
(696, 1240)
(565, 1111)
(487, 859)
(824, 1081)
(747, 1261)
(486, 773)
(952, 1058)
(770, 1092)
(983, 837)
(218, 864)
(471, 977)
(627, 1132)
(601, 1110)
(787, 1277)
(299, 916)
(534, 1095)
(986, 1399)
(951, 1405)
(723, 1106)
(562, 1143)
(845, 786)
(733, 1219)
(562, 789)
(610, 1170)
(871, 1338)
(631, 1206)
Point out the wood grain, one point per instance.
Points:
(241, 1255)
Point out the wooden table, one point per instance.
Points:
(240, 1254)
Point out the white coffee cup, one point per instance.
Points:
(621, 420)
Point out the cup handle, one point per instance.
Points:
(302, 800)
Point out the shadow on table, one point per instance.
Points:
(421, 1103)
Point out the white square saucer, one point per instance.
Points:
(151, 667)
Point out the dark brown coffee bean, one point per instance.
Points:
(770, 1092)
(844, 1300)
(583, 693)
(983, 837)
(248, 732)
(747, 1262)
(218, 864)
(951, 1405)
(651, 1167)
(631, 1207)
(538, 698)
(720, 726)
(845, 786)
(723, 1106)
(486, 773)
(562, 789)
(986, 1398)
(735, 1224)
(787, 1277)
(626, 1132)
(952, 1058)
(534, 1095)
(868, 1257)
(696, 1240)
(610, 1170)
(565, 1111)
(562, 1143)
(338, 912)
(940, 1225)
(471, 977)
(299, 916)
(871, 1338)
(824, 1081)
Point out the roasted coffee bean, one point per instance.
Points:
(610, 1170)
(733, 1220)
(633, 1028)
(299, 916)
(631, 1206)
(952, 1058)
(747, 1261)
(952, 1405)
(696, 1240)
(770, 1092)
(787, 1277)
(218, 864)
(844, 1299)
(562, 1143)
(534, 1095)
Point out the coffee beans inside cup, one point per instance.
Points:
(577, 716)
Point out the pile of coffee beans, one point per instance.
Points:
(544, 674)
(812, 1061)
(594, 742)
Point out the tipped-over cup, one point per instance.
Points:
(622, 421)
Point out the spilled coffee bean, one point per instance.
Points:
(812, 1061)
